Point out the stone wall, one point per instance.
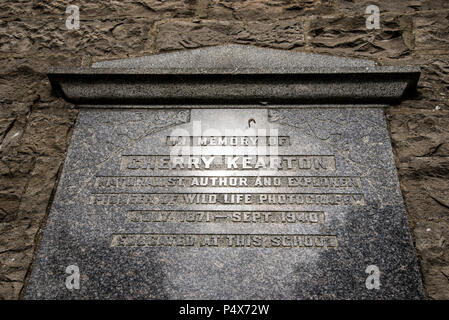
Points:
(35, 126)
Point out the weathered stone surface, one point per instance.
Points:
(420, 140)
(15, 8)
(23, 81)
(105, 8)
(248, 10)
(431, 32)
(349, 35)
(31, 159)
(286, 34)
(356, 7)
(420, 133)
(49, 38)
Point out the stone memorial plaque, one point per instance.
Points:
(229, 173)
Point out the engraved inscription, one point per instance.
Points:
(224, 240)
(227, 162)
(323, 199)
(197, 216)
(154, 189)
(235, 141)
(142, 182)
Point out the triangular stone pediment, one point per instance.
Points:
(234, 56)
(234, 74)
